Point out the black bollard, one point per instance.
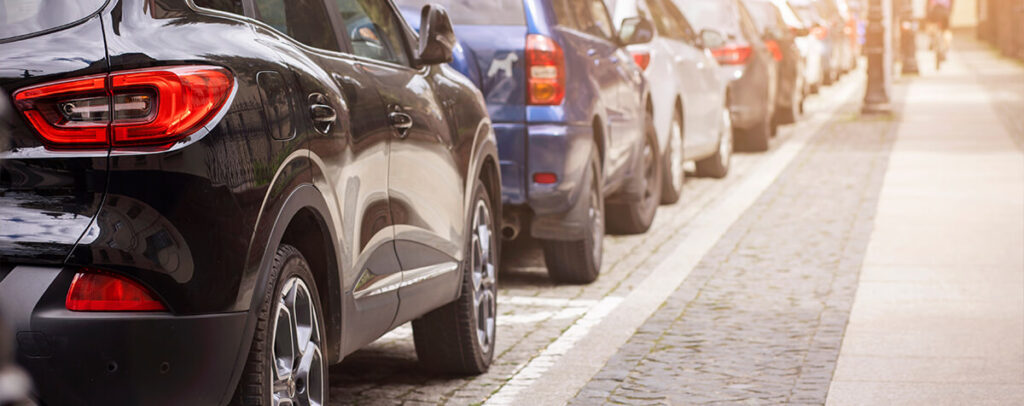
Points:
(878, 47)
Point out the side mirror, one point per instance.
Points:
(711, 39)
(636, 30)
(437, 38)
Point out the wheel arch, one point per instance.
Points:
(304, 206)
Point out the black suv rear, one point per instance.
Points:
(190, 184)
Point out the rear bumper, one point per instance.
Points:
(559, 149)
(79, 358)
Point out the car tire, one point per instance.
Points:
(673, 174)
(291, 295)
(756, 139)
(579, 262)
(459, 337)
(717, 165)
(790, 114)
(827, 78)
(635, 216)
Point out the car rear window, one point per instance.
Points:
(25, 17)
(718, 15)
(764, 14)
(477, 12)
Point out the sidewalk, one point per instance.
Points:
(939, 311)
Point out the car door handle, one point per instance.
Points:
(322, 114)
(402, 122)
(591, 52)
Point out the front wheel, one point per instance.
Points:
(717, 165)
(459, 337)
(635, 214)
(673, 170)
(286, 363)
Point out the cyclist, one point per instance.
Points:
(938, 27)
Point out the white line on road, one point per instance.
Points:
(578, 354)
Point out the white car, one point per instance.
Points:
(810, 46)
(691, 115)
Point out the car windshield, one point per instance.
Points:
(718, 15)
(24, 17)
(477, 12)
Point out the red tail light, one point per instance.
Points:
(642, 59)
(819, 32)
(93, 291)
(773, 46)
(732, 54)
(545, 178)
(545, 71)
(151, 107)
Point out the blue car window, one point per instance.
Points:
(374, 30)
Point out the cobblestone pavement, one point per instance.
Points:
(761, 319)
(534, 312)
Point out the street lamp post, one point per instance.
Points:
(878, 47)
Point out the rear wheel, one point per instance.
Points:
(673, 163)
(717, 165)
(459, 337)
(579, 262)
(636, 215)
(286, 364)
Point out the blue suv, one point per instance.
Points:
(573, 119)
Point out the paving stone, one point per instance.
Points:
(761, 319)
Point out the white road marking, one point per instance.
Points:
(574, 357)
(535, 369)
(564, 309)
(544, 301)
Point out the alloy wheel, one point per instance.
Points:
(298, 375)
(485, 277)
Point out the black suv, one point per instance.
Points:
(207, 201)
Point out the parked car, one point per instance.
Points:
(780, 35)
(690, 111)
(829, 26)
(573, 117)
(273, 177)
(810, 45)
(851, 17)
(15, 385)
(745, 61)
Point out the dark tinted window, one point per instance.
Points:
(589, 16)
(374, 30)
(764, 14)
(669, 20)
(23, 17)
(767, 17)
(304, 20)
(230, 6)
(477, 12)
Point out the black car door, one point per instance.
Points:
(425, 185)
(341, 114)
